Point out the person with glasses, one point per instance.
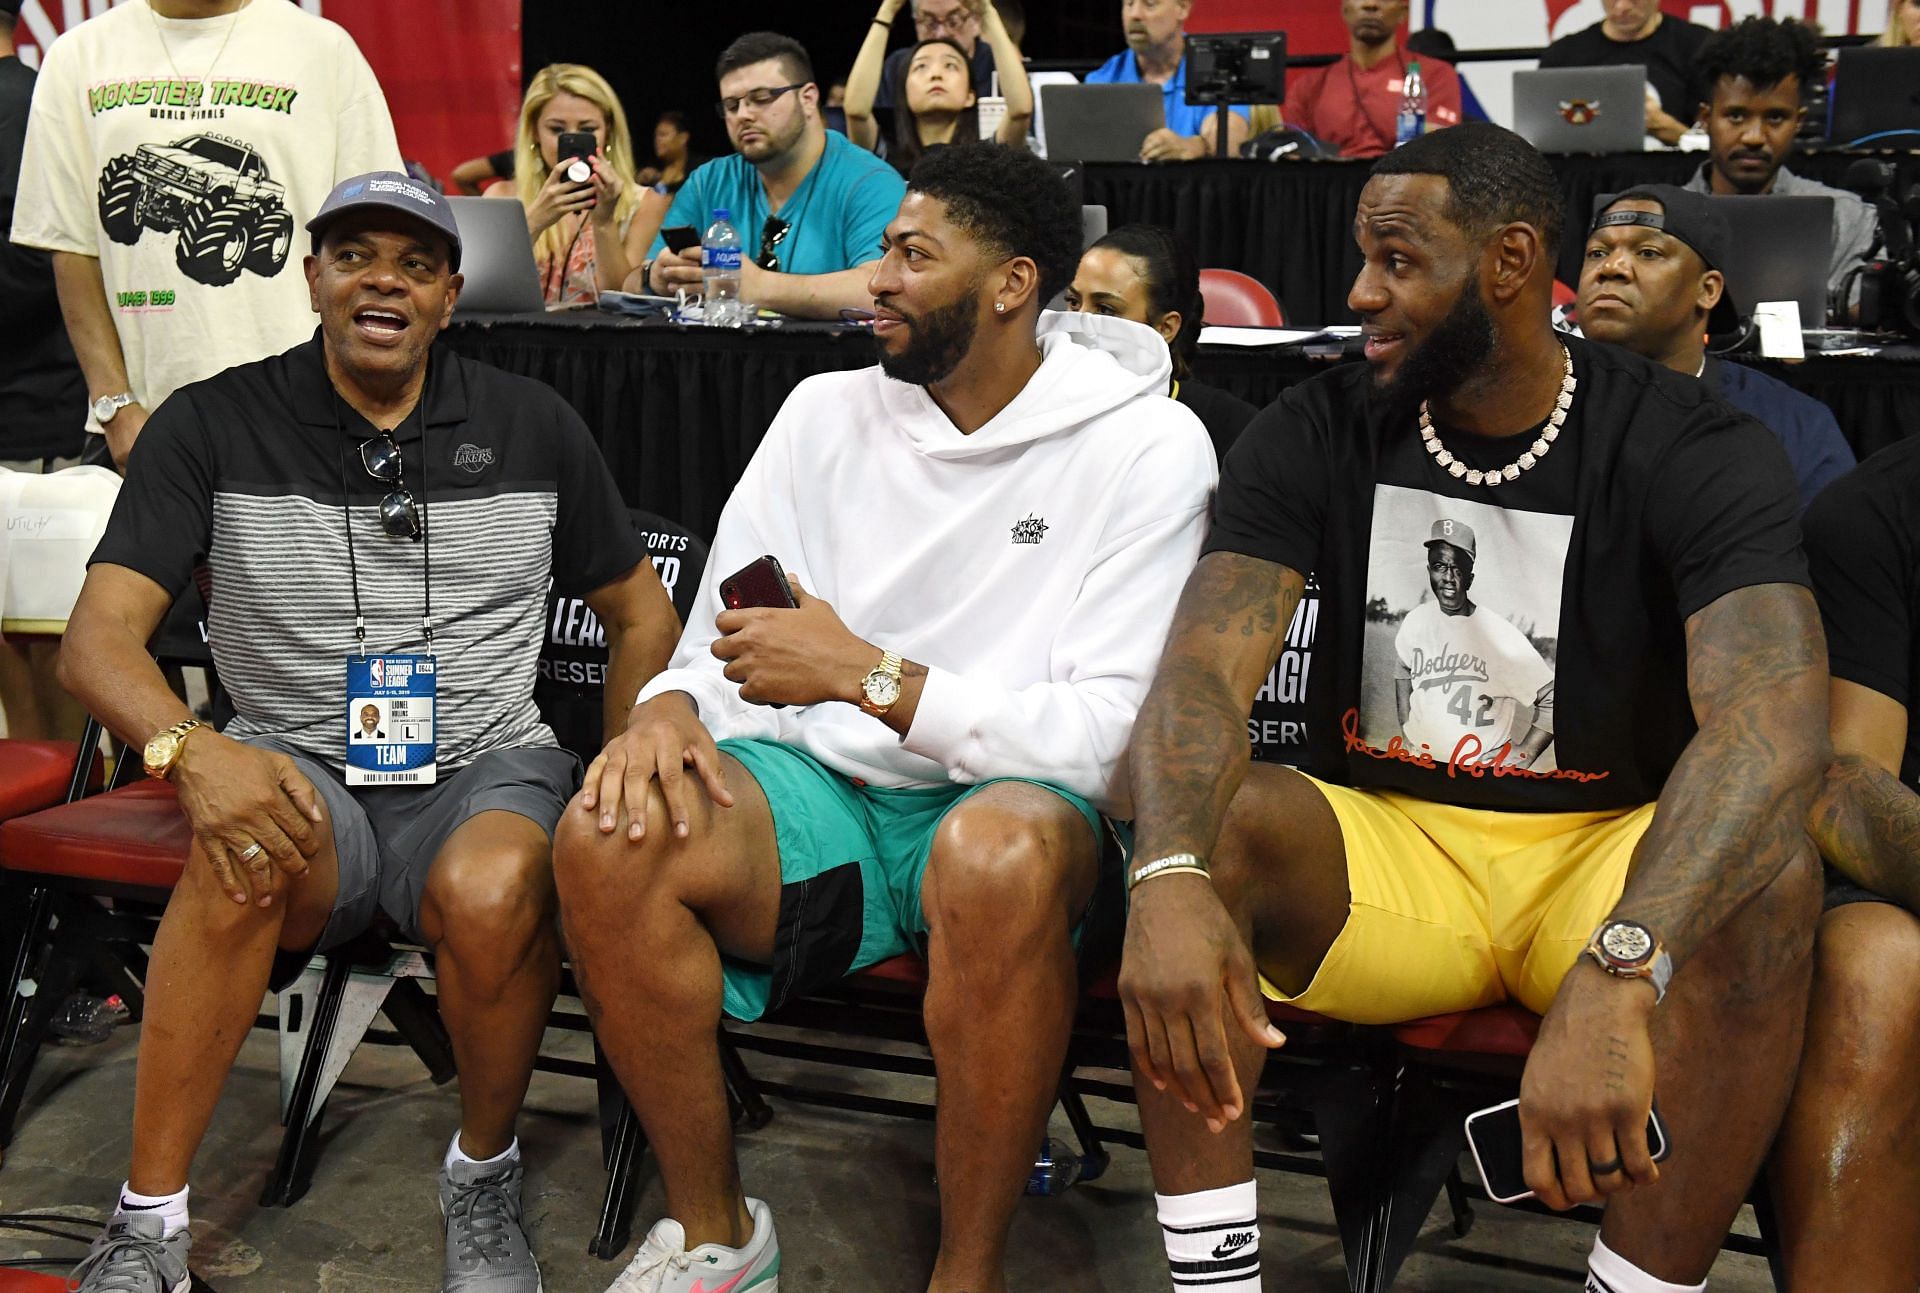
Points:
(964, 22)
(986, 533)
(1157, 53)
(941, 90)
(381, 518)
(809, 203)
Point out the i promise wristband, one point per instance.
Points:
(1169, 865)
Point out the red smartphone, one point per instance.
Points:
(758, 583)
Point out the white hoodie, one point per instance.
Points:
(1032, 566)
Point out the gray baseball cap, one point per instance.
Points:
(1454, 533)
(392, 191)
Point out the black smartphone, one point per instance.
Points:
(681, 238)
(578, 143)
(1494, 1137)
(760, 582)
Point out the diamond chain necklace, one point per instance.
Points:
(1534, 453)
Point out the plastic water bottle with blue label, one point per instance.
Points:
(720, 272)
(1412, 122)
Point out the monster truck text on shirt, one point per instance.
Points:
(188, 154)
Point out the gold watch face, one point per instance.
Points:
(881, 688)
(162, 750)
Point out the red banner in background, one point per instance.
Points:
(450, 68)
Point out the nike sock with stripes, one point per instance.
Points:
(1609, 1272)
(1212, 1238)
(170, 1208)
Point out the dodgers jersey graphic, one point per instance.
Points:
(1463, 615)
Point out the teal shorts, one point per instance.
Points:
(852, 858)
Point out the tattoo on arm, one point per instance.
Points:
(1733, 814)
(1190, 743)
(1867, 823)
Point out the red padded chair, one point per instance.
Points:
(126, 844)
(38, 774)
(1238, 300)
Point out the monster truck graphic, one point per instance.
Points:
(215, 191)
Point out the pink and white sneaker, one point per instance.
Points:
(663, 1264)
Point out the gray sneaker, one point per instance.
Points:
(487, 1251)
(130, 1256)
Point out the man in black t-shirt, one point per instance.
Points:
(381, 521)
(1649, 553)
(1853, 1211)
(1635, 31)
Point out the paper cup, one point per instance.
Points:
(992, 110)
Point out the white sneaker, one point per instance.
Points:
(664, 1266)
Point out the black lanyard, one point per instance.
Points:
(426, 531)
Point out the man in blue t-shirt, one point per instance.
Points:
(810, 205)
(1157, 54)
(1650, 281)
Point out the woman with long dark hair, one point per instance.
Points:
(936, 102)
(1145, 273)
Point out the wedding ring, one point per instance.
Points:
(250, 854)
(1603, 1169)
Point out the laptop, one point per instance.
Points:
(496, 258)
(1100, 123)
(1876, 98)
(1771, 256)
(1582, 109)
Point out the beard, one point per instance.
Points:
(936, 342)
(1442, 363)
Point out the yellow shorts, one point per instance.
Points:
(1456, 908)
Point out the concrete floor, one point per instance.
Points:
(853, 1195)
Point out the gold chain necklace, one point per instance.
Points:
(1535, 452)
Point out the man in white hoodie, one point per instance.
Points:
(986, 535)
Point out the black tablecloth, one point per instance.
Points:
(1289, 224)
(678, 411)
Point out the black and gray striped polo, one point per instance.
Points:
(247, 469)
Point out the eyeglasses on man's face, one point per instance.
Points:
(762, 98)
(957, 21)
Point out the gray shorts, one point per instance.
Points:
(387, 836)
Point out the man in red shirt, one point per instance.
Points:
(1352, 104)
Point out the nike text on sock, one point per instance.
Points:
(170, 1208)
(1212, 1239)
(1609, 1272)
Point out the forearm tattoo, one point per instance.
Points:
(1734, 811)
(1867, 823)
(1190, 742)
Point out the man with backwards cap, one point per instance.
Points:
(381, 519)
(1651, 281)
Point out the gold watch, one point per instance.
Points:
(880, 689)
(163, 751)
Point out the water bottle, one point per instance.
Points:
(720, 272)
(1059, 1166)
(1412, 122)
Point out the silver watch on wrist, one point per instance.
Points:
(107, 406)
(1627, 949)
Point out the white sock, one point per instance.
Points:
(1609, 1272)
(1212, 1238)
(170, 1208)
(455, 1154)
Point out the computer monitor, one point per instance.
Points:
(1876, 98)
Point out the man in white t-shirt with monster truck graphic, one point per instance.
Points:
(173, 149)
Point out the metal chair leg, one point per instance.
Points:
(293, 1167)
